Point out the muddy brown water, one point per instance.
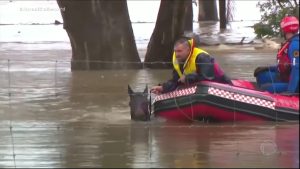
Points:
(53, 117)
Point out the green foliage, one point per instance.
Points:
(272, 13)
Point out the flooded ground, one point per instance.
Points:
(154, 144)
(51, 116)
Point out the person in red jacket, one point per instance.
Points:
(283, 77)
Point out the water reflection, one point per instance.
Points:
(96, 143)
(52, 117)
(173, 145)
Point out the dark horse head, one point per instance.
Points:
(139, 105)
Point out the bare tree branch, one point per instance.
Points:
(280, 4)
(291, 4)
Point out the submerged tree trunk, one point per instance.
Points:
(189, 18)
(207, 10)
(223, 19)
(100, 33)
(170, 25)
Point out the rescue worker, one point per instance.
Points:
(191, 64)
(283, 77)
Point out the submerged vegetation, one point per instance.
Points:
(272, 13)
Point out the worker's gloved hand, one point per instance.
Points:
(260, 69)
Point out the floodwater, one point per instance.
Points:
(53, 117)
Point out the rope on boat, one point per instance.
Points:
(150, 105)
(179, 109)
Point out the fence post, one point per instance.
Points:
(10, 113)
(55, 76)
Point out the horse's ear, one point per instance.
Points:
(130, 91)
(146, 89)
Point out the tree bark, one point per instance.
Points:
(100, 33)
(170, 25)
(207, 10)
(189, 17)
(222, 9)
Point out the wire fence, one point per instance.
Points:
(39, 99)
